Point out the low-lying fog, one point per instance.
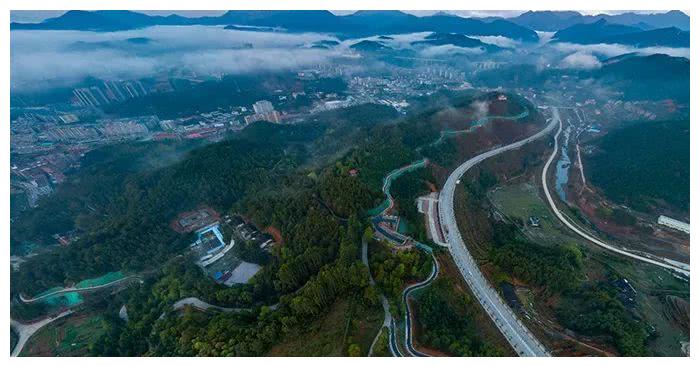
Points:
(41, 59)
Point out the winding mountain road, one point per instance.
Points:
(408, 334)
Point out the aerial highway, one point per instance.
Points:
(520, 338)
(683, 269)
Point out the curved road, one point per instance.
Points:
(386, 187)
(389, 321)
(408, 340)
(79, 290)
(556, 118)
(25, 331)
(393, 344)
(519, 337)
(204, 306)
(408, 334)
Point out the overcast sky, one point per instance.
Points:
(39, 15)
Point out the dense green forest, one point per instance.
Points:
(87, 195)
(231, 334)
(643, 78)
(135, 233)
(405, 190)
(393, 271)
(595, 309)
(446, 319)
(344, 193)
(588, 307)
(644, 162)
(556, 269)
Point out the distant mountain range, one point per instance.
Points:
(459, 40)
(369, 46)
(670, 37)
(605, 32)
(586, 33)
(556, 20)
(661, 29)
(361, 23)
(649, 77)
(657, 66)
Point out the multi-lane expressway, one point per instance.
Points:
(520, 338)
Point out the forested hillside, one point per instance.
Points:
(285, 176)
(644, 162)
(122, 213)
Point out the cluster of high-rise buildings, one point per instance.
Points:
(109, 92)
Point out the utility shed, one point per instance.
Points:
(675, 224)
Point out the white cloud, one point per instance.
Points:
(45, 58)
(243, 61)
(544, 37)
(611, 50)
(397, 41)
(499, 41)
(450, 50)
(580, 60)
(480, 109)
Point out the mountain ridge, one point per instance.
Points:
(364, 23)
(608, 33)
(553, 21)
